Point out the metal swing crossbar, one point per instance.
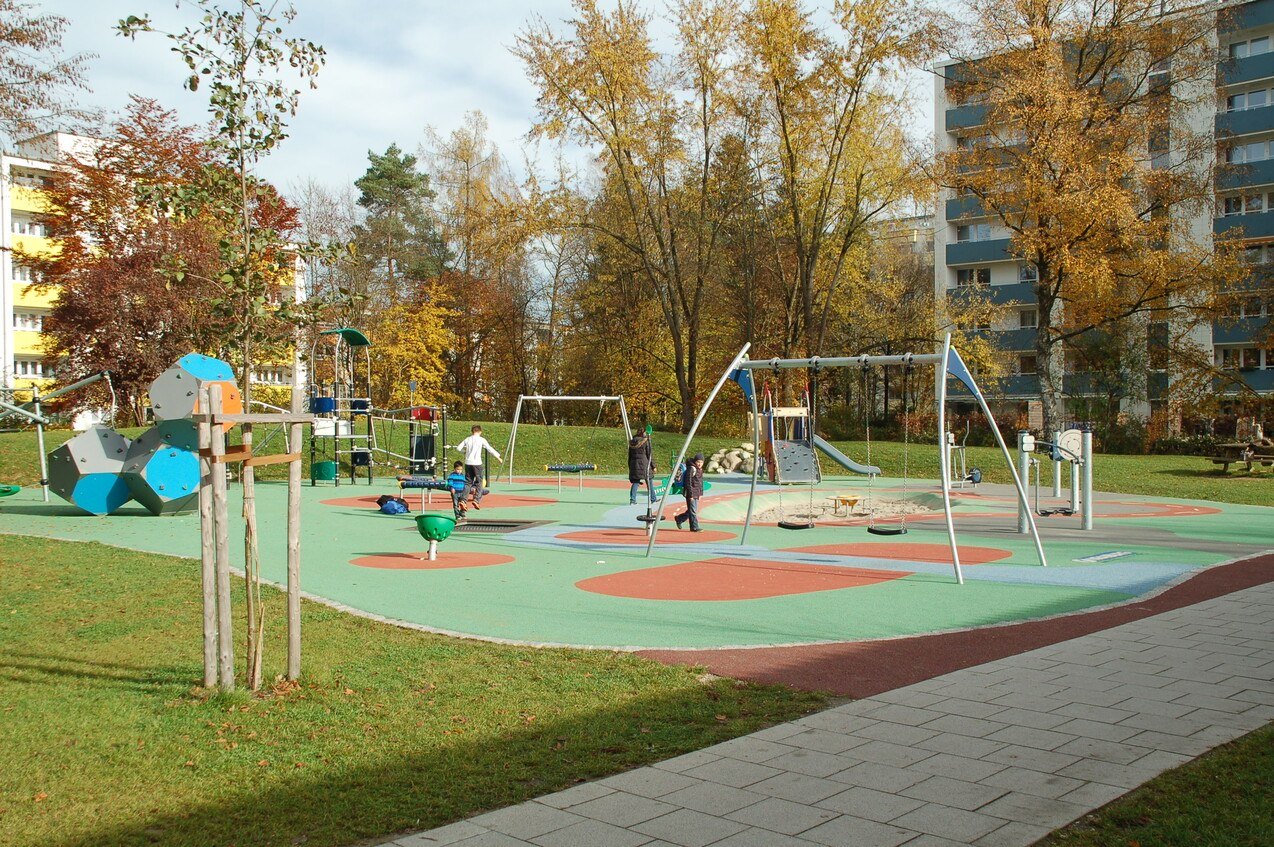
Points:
(947, 363)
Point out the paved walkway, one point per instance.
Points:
(995, 755)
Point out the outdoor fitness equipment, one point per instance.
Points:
(947, 363)
(435, 528)
(1075, 447)
(563, 467)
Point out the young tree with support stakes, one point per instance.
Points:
(1095, 156)
(240, 55)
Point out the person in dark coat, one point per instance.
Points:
(692, 490)
(641, 464)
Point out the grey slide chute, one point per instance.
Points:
(844, 461)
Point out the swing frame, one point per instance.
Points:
(541, 399)
(947, 364)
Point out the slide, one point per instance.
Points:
(844, 461)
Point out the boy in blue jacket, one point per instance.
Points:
(458, 483)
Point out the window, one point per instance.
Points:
(28, 226)
(1238, 358)
(1248, 100)
(973, 232)
(1254, 254)
(973, 276)
(28, 321)
(1027, 272)
(23, 273)
(1254, 151)
(1253, 47)
(971, 142)
(31, 368)
(272, 376)
(29, 178)
(1028, 318)
(1253, 307)
(1026, 363)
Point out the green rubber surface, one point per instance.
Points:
(535, 598)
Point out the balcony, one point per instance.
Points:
(27, 342)
(1021, 340)
(963, 207)
(968, 115)
(979, 252)
(25, 296)
(1017, 292)
(1240, 331)
(1248, 16)
(1243, 176)
(1257, 380)
(26, 199)
(1258, 225)
(1235, 71)
(1245, 121)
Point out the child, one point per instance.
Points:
(458, 482)
(641, 464)
(692, 490)
(471, 448)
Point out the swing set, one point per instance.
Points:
(947, 364)
(557, 464)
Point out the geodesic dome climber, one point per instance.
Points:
(161, 468)
(86, 471)
(174, 395)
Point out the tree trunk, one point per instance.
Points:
(1049, 356)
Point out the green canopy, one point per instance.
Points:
(352, 337)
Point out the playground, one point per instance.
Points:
(576, 574)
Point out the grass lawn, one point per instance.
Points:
(1187, 477)
(104, 739)
(1223, 799)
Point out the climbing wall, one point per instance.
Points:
(796, 462)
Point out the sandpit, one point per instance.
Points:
(797, 507)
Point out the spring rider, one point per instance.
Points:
(435, 528)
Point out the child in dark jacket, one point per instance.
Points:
(692, 490)
(458, 483)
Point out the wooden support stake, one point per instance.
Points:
(225, 631)
(251, 565)
(294, 548)
(207, 551)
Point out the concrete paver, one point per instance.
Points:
(991, 756)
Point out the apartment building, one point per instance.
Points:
(972, 250)
(24, 172)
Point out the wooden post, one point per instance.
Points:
(225, 624)
(294, 544)
(251, 564)
(207, 551)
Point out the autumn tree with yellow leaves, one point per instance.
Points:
(1086, 159)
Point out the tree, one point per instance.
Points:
(119, 307)
(485, 224)
(1086, 160)
(411, 340)
(656, 123)
(36, 79)
(831, 152)
(397, 242)
(240, 54)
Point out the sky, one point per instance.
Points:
(393, 68)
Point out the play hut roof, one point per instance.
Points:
(352, 337)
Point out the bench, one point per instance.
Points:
(1246, 461)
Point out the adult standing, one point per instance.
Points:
(471, 451)
(641, 464)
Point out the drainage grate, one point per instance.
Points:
(496, 527)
